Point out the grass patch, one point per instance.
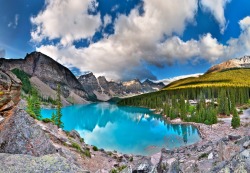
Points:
(76, 146)
(119, 169)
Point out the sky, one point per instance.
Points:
(127, 39)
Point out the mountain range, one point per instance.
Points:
(45, 73)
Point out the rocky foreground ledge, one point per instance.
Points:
(28, 145)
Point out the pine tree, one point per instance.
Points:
(235, 120)
(53, 118)
(34, 105)
(59, 122)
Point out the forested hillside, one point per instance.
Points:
(229, 77)
(199, 99)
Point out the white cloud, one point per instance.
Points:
(66, 20)
(216, 7)
(133, 43)
(169, 80)
(14, 23)
(137, 40)
(107, 19)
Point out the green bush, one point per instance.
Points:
(47, 120)
(235, 120)
(204, 155)
(87, 153)
(119, 169)
(76, 146)
(95, 148)
(81, 140)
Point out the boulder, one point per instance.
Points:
(75, 134)
(169, 165)
(16, 163)
(21, 135)
(210, 156)
(246, 144)
(245, 154)
(234, 137)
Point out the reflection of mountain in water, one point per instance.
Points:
(103, 113)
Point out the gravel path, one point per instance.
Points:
(245, 117)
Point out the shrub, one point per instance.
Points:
(87, 153)
(76, 146)
(95, 148)
(207, 122)
(235, 120)
(47, 120)
(204, 155)
(81, 140)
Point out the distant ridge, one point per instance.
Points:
(243, 62)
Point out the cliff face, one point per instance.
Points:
(243, 62)
(48, 71)
(10, 88)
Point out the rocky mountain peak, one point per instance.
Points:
(48, 71)
(243, 62)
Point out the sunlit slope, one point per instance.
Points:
(227, 78)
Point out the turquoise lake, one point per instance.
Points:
(130, 130)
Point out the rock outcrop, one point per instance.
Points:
(243, 62)
(10, 88)
(48, 71)
(19, 134)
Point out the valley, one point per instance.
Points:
(190, 120)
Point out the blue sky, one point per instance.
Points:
(130, 38)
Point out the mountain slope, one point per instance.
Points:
(243, 62)
(48, 71)
(230, 77)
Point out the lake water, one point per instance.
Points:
(130, 130)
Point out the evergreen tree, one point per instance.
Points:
(235, 120)
(53, 118)
(34, 105)
(58, 122)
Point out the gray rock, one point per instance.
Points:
(233, 137)
(246, 144)
(245, 154)
(169, 165)
(210, 156)
(21, 135)
(75, 134)
(16, 163)
(247, 165)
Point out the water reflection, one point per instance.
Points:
(125, 129)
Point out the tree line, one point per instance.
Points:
(209, 102)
